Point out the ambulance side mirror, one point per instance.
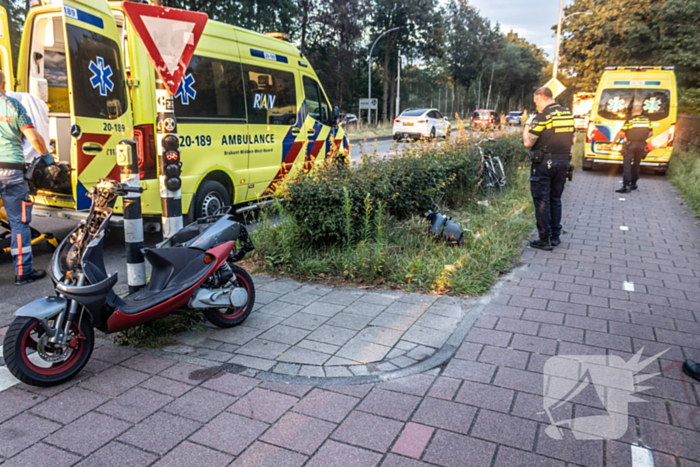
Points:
(336, 116)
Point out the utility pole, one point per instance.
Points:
(488, 99)
(398, 89)
(555, 68)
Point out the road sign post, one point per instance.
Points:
(169, 36)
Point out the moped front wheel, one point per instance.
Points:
(32, 359)
(233, 316)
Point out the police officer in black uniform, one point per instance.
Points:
(636, 131)
(550, 136)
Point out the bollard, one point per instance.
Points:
(133, 223)
(168, 161)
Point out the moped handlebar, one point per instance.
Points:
(132, 189)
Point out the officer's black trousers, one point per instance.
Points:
(632, 156)
(547, 185)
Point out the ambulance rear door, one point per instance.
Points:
(6, 52)
(99, 106)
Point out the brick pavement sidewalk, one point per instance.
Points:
(481, 408)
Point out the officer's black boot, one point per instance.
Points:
(540, 244)
(624, 189)
(692, 369)
(555, 241)
(634, 187)
(35, 275)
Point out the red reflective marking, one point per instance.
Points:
(83, 158)
(285, 167)
(20, 268)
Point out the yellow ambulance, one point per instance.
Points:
(248, 107)
(620, 88)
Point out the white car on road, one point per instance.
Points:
(421, 123)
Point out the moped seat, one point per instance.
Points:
(175, 270)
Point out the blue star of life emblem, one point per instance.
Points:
(185, 91)
(616, 104)
(652, 105)
(101, 75)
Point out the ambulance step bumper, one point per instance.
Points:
(58, 213)
(619, 162)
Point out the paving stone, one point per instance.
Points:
(209, 354)
(382, 336)
(303, 356)
(113, 353)
(280, 309)
(194, 338)
(312, 371)
(318, 346)
(393, 321)
(326, 405)
(379, 298)
(134, 405)
(183, 372)
(299, 433)
(368, 431)
(486, 396)
(363, 351)
(333, 454)
(504, 357)
(262, 321)
(23, 431)
(217, 434)
(444, 388)
(264, 297)
(489, 337)
(587, 453)
(265, 455)
(298, 298)
(14, 401)
(338, 372)
(304, 321)
(264, 405)
(414, 310)
(297, 390)
(426, 336)
(284, 334)
(200, 404)
(349, 321)
(193, 455)
(450, 449)
(322, 309)
(253, 362)
(263, 349)
(534, 344)
(412, 442)
(88, 433)
(468, 351)
(609, 341)
(389, 404)
(505, 429)
(403, 361)
(38, 453)
(234, 385)
(148, 363)
(114, 381)
(417, 385)
(519, 380)
(473, 371)
(508, 457)
(444, 414)
(517, 325)
(281, 286)
(124, 455)
(561, 333)
(332, 335)
(166, 386)
(291, 369)
(339, 297)
(363, 308)
(420, 352)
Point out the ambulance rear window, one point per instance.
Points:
(271, 97)
(211, 89)
(97, 76)
(616, 104)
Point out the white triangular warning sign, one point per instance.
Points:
(169, 35)
(170, 38)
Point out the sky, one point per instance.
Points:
(530, 19)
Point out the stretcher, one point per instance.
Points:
(6, 237)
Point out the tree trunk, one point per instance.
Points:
(392, 104)
(385, 94)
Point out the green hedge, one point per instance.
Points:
(334, 203)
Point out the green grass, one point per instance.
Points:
(161, 332)
(405, 255)
(684, 173)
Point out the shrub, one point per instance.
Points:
(334, 203)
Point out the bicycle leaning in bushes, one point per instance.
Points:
(492, 173)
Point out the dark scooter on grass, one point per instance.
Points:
(51, 339)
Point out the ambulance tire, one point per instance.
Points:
(211, 195)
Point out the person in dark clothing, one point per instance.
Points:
(636, 130)
(692, 369)
(550, 136)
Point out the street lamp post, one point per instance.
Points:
(561, 20)
(369, 75)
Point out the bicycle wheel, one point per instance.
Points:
(489, 180)
(500, 173)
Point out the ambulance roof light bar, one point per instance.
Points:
(640, 68)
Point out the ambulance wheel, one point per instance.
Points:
(587, 164)
(210, 197)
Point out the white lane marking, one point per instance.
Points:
(6, 379)
(642, 457)
(624, 227)
(628, 286)
(622, 199)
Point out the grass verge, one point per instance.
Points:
(684, 173)
(402, 254)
